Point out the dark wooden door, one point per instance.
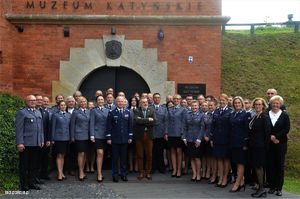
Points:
(118, 78)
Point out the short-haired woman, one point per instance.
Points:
(280, 127)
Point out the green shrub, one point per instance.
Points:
(8, 154)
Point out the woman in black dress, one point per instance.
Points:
(280, 127)
(259, 136)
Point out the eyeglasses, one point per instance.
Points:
(270, 93)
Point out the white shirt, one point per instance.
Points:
(70, 110)
(274, 116)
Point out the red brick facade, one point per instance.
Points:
(30, 59)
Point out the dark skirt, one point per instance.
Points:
(82, 145)
(221, 151)
(175, 142)
(100, 144)
(206, 147)
(238, 156)
(257, 157)
(194, 152)
(61, 147)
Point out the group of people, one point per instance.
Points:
(226, 140)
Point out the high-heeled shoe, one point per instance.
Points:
(223, 185)
(238, 189)
(259, 194)
(193, 179)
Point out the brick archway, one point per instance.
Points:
(85, 60)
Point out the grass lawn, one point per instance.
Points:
(253, 63)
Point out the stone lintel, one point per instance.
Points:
(115, 19)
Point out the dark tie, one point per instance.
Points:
(64, 114)
(156, 107)
(144, 112)
(109, 106)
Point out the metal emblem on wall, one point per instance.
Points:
(113, 49)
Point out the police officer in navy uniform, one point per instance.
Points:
(119, 134)
(159, 131)
(44, 153)
(220, 131)
(29, 140)
(97, 127)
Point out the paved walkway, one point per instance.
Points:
(162, 186)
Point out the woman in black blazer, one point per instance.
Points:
(280, 126)
(259, 138)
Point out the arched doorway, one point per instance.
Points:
(118, 78)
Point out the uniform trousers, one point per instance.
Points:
(44, 157)
(277, 154)
(28, 165)
(158, 155)
(144, 145)
(119, 152)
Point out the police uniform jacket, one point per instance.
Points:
(98, 122)
(61, 126)
(110, 106)
(142, 123)
(160, 127)
(175, 121)
(79, 126)
(206, 123)
(46, 123)
(192, 126)
(29, 127)
(239, 133)
(119, 127)
(220, 128)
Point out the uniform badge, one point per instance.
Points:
(31, 120)
(126, 115)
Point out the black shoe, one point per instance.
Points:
(259, 194)
(193, 179)
(223, 185)
(124, 178)
(115, 179)
(35, 187)
(271, 191)
(173, 176)
(39, 181)
(278, 193)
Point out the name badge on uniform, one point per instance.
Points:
(126, 115)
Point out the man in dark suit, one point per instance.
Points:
(144, 118)
(44, 152)
(29, 140)
(119, 134)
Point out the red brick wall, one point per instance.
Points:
(32, 57)
(6, 59)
